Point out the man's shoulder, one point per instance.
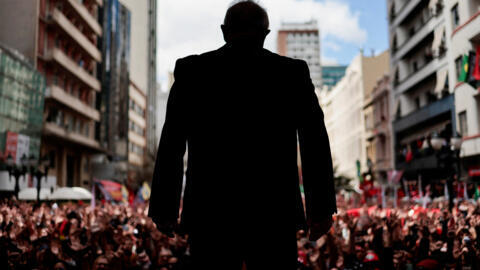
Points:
(285, 60)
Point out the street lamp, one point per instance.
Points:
(16, 171)
(448, 152)
(35, 171)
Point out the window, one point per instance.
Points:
(462, 118)
(87, 129)
(455, 17)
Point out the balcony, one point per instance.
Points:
(51, 129)
(404, 11)
(86, 16)
(137, 118)
(470, 30)
(76, 35)
(135, 159)
(58, 56)
(61, 96)
(137, 139)
(418, 117)
(416, 77)
(419, 35)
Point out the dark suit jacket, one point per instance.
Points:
(240, 115)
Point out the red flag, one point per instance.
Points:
(476, 69)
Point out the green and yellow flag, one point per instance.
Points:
(464, 69)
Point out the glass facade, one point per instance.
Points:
(22, 95)
(331, 75)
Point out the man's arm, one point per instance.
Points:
(317, 169)
(168, 173)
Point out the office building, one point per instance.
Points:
(423, 99)
(331, 75)
(302, 41)
(344, 113)
(59, 38)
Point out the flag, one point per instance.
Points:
(472, 61)
(476, 68)
(464, 69)
(477, 192)
(143, 193)
(112, 191)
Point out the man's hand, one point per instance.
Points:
(317, 229)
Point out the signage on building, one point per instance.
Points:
(16, 146)
(474, 171)
(11, 145)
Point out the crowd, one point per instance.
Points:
(75, 236)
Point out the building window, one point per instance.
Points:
(462, 118)
(87, 129)
(455, 17)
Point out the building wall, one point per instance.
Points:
(139, 51)
(302, 41)
(344, 113)
(24, 41)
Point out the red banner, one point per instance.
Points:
(11, 145)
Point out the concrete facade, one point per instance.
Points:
(344, 113)
(302, 41)
(60, 40)
(464, 37)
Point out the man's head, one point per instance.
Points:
(246, 24)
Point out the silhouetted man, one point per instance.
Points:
(239, 110)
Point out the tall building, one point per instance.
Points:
(378, 128)
(129, 79)
(22, 93)
(302, 41)
(462, 19)
(59, 38)
(152, 138)
(344, 114)
(331, 75)
(423, 99)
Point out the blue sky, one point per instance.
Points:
(372, 18)
(191, 27)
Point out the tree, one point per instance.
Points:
(342, 182)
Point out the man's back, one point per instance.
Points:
(240, 110)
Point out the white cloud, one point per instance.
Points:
(191, 27)
(331, 45)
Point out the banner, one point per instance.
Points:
(23, 147)
(11, 145)
(112, 191)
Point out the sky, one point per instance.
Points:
(188, 27)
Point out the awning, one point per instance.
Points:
(437, 38)
(424, 132)
(441, 80)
